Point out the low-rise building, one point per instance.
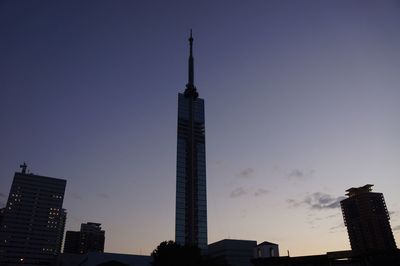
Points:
(337, 258)
(232, 252)
(103, 259)
(89, 239)
(266, 250)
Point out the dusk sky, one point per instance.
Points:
(302, 101)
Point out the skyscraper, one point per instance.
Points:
(2, 210)
(367, 220)
(33, 223)
(191, 198)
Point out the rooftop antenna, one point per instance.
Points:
(23, 168)
(190, 90)
(191, 66)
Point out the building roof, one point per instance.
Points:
(266, 243)
(359, 190)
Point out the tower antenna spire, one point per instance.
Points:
(191, 61)
(190, 88)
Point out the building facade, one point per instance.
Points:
(2, 210)
(89, 239)
(266, 250)
(72, 242)
(34, 220)
(367, 220)
(233, 252)
(335, 258)
(191, 198)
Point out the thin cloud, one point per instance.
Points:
(276, 168)
(218, 162)
(320, 201)
(299, 174)
(328, 217)
(261, 192)
(317, 201)
(332, 216)
(76, 196)
(102, 195)
(396, 228)
(246, 173)
(238, 192)
(337, 228)
(2, 195)
(243, 214)
(293, 203)
(318, 221)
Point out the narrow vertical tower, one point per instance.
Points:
(191, 196)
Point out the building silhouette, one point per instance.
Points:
(103, 259)
(233, 252)
(89, 239)
(72, 242)
(367, 220)
(266, 250)
(191, 199)
(334, 258)
(2, 210)
(34, 220)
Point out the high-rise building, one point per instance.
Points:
(72, 242)
(61, 229)
(367, 220)
(33, 223)
(2, 210)
(191, 198)
(89, 239)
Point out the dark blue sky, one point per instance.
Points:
(302, 102)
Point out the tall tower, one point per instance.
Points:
(32, 229)
(191, 198)
(367, 220)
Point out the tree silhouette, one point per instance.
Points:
(169, 253)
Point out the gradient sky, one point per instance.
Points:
(302, 102)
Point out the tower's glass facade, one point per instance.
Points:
(191, 198)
